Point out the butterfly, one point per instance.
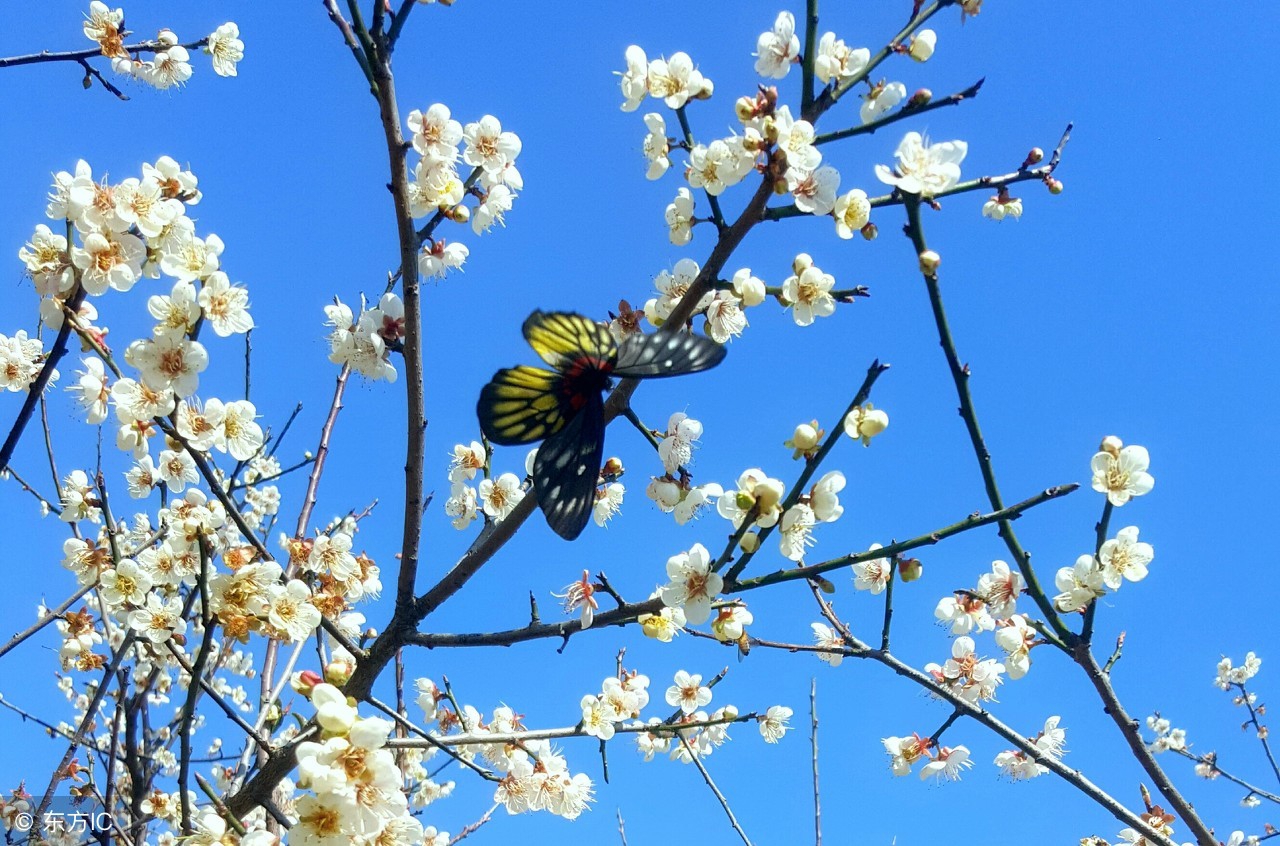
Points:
(564, 409)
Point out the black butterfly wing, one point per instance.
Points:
(666, 354)
(567, 467)
(521, 405)
(559, 337)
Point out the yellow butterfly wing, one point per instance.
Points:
(558, 337)
(521, 405)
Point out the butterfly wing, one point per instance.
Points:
(666, 354)
(566, 469)
(521, 405)
(561, 336)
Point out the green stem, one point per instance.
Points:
(1086, 629)
(810, 55)
(717, 217)
(960, 377)
(812, 464)
(902, 114)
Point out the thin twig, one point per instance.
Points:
(706, 776)
(813, 740)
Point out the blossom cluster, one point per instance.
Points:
(169, 65)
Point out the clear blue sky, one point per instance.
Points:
(1139, 303)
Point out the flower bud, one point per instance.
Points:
(910, 569)
(167, 38)
(769, 494)
(929, 261)
(1034, 157)
(870, 231)
(748, 288)
(802, 263)
(750, 542)
(920, 98)
(805, 436)
(1112, 445)
(745, 108)
(338, 672)
(612, 467)
(459, 213)
(770, 130)
(804, 441)
(304, 682)
(704, 93)
(874, 421)
(922, 45)
(1055, 185)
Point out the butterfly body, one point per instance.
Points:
(564, 409)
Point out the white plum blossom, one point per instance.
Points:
(755, 491)
(779, 49)
(109, 260)
(838, 61)
(679, 217)
(965, 613)
(773, 725)
(1121, 471)
(487, 146)
(608, 502)
(796, 531)
(852, 212)
(923, 168)
(825, 499)
(676, 448)
(19, 360)
(47, 261)
(874, 574)
(674, 81)
(750, 289)
(1000, 589)
(142, 203)
(225, 48)
(688, 693)
(1124, 558)
(828, 640)
(671, 287)
(814, 190)
(158, 620)
(950, 762)
(712, 167)
(169, 362)
(656, 146)
(1002, 206)
(1079, 584)
(693, 585)
(725, 318)
(466, 460)
(635, 79)
(225, 306)
(177, 312)
(439, 257)
(435, 133)
(1016, 637)
(808, 293)
(881, 99)
(499, 497)
(91, 391)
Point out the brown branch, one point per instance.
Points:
(813, 740)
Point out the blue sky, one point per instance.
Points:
(1139, 303)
